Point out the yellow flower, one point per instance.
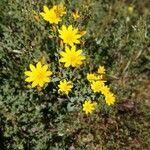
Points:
(96, 86)
(89, 106)
(38, 75)
(65, 86)
(101, 70)
(50, 15)
(75, 15)
(69, 35)
(110, 98)
(71, 57)
(91, 77)
(60, 9)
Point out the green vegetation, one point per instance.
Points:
(117, 37)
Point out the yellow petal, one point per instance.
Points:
(45, 8)
(34, 84)
(62, 60)
(70, 28)
(28, 73)
(67, 49)
(60, 31)
(28, 79)
(45, 67)
(47, 80)
(39, 65)
(67, 64)
(77, 41)
(75, 31)
(32, 67)
(78, 36)
(64, 28)
(48, 73)
(62, 53)
(42, 14)
(41, 84)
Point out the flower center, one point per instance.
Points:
(73, 59)
(69, 37)
(39, 75)
(88, 107)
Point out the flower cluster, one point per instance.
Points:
(98, 85)
(70, 56)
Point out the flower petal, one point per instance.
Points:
(45, 67)
(41, 84)
(47, 79)
(34, 84)
(48, 73)
(32, 67)
(28, 73)
(29, 79)
(46, 9)
(39, 65)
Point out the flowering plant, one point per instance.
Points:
(71, 59)
(74, 74)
